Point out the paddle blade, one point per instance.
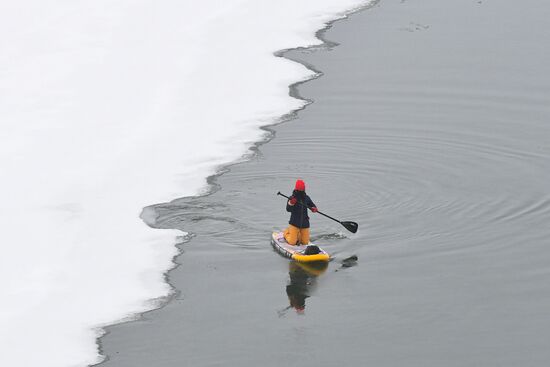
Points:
(351, 226)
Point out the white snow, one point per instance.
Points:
(108, 106)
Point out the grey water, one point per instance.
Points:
(430, 127)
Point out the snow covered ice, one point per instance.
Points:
(107, 107)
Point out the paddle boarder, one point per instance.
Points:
(298, 229)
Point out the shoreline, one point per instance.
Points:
(211, 181)
(440, 277)
(133, 142)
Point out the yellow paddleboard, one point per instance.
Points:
(301, 253)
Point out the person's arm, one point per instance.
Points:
(290, 204)
(311, 205)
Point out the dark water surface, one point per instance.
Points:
(431, 128)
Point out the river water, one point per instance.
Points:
(430, 127)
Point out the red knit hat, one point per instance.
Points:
(300, 185)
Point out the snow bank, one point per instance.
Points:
(107, 107)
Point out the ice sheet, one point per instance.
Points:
(107, 107)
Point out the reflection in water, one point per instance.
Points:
(302, 282)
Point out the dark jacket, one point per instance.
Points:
(298, 216)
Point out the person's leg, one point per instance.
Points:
(304, 236)
(291, 234)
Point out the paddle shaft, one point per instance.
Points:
(303, 204)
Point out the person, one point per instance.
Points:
(298, 229)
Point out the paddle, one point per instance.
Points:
(350, 226)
